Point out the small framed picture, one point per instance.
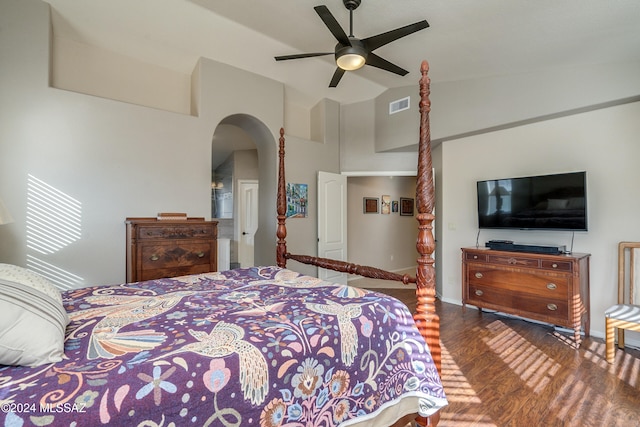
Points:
(370, 205)
(386, 205)
(406, 206)
(394, 206)
(297, 200)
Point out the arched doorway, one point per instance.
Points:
(244, 149)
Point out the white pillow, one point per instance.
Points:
(32, 318)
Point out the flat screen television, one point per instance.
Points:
(544, 202)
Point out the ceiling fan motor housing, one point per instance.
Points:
(351, 4)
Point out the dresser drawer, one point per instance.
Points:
(514, 260)
(556, 265)
(552, 309)
(162, 256)
(530, 282)
(474, 256)
(186, 231)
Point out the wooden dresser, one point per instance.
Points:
(548, 288)
(169, 248)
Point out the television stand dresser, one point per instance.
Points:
(547, 288)
(170, 248)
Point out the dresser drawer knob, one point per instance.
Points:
(475, 257)
(554, 265)
(479, 292)
(479, 276)
(551, 286)
(200, 254)
(154, 257)
(552, 307)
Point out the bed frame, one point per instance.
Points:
(426, 318)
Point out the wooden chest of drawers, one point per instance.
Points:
(157, 249)
(548, 288)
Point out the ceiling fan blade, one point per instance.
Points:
(332, 25)
(375, 61)
(375, 42)
(336, 77)
(302, 55)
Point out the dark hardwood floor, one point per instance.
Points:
(502, 371)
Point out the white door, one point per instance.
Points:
(332, 223)
(247, 220)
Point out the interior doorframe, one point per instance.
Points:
(380, 173)
(240, 202)
(265, 139)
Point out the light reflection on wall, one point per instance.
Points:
(59, 277)
(53, 223)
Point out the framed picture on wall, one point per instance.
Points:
(394, 206)
(297, 200)
(406, 206)
(370, 205)
(386, 205)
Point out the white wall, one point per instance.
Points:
(118, 159)
(602, 142)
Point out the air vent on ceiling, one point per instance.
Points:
(399, 105)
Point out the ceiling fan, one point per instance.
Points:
(352, 53)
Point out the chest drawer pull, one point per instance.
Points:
(154, 257)
(479, 276)
(552, 307)
(200, 254)
(554, 265)
(552, 286)
(479, 292)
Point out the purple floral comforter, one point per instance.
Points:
(259, 346)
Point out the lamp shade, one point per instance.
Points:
(5, 216)
(499, 191)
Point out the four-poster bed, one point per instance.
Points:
(426, 317)
(262, 346)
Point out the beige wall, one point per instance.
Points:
(119, 159)
(390, 240)
(602, 142)
(357, 149)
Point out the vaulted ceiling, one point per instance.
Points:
(467, 39)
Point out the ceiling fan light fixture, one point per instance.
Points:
(351, 58)
(350, 61)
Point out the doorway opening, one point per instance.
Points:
(241, 149)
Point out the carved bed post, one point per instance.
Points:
(426, 318)
(281, 207)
